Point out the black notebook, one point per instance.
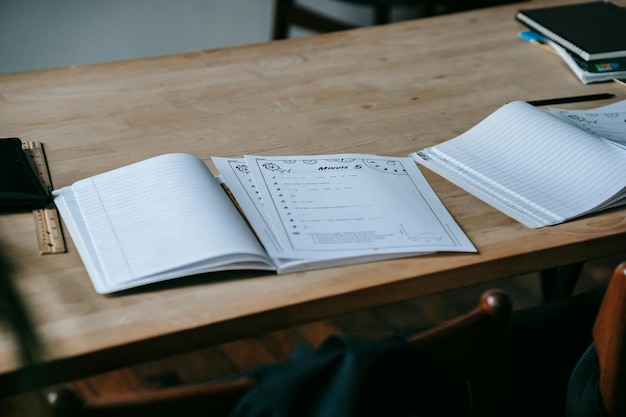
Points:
(20, 188)
(595, 30)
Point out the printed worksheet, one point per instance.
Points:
(608, 122)
(237, 180)
(349, 205)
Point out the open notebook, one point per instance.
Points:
(168, 216)
(539, 167)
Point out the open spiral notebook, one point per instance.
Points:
(539, 167)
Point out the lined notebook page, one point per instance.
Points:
(531, 165)
(159, 215)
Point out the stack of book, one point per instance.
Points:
(589, 37)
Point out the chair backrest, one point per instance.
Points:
(214, 399)
(609, 337)
(475, 346)
(472, 344)
(289, 13)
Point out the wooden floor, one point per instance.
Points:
(216, 361)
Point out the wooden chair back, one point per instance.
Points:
(214, 399)
(289, 13)
(475, 346)
(609, 337)
(472, 344)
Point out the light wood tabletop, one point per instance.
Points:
(387, 90)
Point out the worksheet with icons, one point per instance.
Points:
(350, 204)
(608, 122)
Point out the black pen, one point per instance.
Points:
(574, 99)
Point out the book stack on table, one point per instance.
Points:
(589, 37)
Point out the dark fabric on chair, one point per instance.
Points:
(583, 395)
(546, 343)
(354, 377)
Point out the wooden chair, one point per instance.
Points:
(216, 399)
(474, 345)
(289, 13)
(568, 356)
(609, 338)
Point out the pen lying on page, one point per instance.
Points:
(574, 99)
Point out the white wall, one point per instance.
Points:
(37, 34)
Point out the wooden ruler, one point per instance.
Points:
(47, 221)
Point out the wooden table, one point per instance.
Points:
(389, 90)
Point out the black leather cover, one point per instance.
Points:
(20, 188)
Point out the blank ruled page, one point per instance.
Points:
(154, 218)
(531, 165)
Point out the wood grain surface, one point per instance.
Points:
(387, 90)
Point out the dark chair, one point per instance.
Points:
(475, 346)
(288, 13)
(567, 357)
(472, 344)
(217, 399)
